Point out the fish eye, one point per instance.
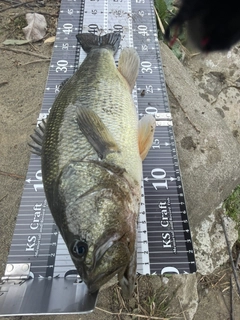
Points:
(79, 249)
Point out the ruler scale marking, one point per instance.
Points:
(163, 240)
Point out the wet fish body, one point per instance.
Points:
(92, 150)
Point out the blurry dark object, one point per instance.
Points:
(212, 25)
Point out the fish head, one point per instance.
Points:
(100, 231)
(111, 258)
(99, 256)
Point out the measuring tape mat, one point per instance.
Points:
(164, 239)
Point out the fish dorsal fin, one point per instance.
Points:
(37, 138)
(146, 128)
(62, 84)
(96, 132)
(128, 65)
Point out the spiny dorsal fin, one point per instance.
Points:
(62, 84)
(37, 138)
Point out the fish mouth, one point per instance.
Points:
(94, 285)
(110, 258)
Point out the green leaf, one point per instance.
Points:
(161, 7)
(169, 4)
(177, 50)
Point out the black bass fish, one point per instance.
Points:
(91, 148)
(212, 25)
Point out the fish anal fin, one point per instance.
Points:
(146, 128)
(96, 132)
(128, 65)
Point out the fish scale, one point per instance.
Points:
(39, 264)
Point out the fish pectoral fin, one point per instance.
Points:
(96, 132)
(146, 128)
(128, 65)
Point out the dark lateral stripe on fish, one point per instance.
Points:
(89, 41)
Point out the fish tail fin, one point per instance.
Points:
(90, 41)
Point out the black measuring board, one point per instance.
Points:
(35, 236)
(38, 257)
(169, 238)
